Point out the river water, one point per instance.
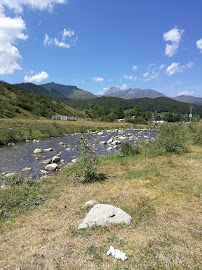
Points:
(15, 158)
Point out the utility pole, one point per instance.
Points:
(190, 114)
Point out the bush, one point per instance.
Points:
(197, 139)
(128, 150)
(85, 169)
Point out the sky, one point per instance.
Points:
(98, 44)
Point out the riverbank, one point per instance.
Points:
(18, 130)
(159, 187)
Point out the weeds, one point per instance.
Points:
(128, 150)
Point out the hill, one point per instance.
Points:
(20, 103)
(69, 91)
(189, 99)
(160, 104)
(132, 93)
(49, 93)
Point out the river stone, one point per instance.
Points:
(100, 133)
(9, 175)
(51, 167)
(43, 172)
(103, 143)
(109, 148)
(74, 160)
(110, 141)
(55, 159)
(61, 143)
(48, 149)
(37, 151)
(91, 203)
(68, 149)
(47, 161)
(103, 214)
(26, 169)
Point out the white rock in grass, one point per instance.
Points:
(91, 203)
(74, 160)
(9, 175)
(37, 151)
(103, 214)
(51, 167)
(116, 253)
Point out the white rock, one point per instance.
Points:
(47, 161)
(26, 169)
(48, 149)
(43, 172)
(37, 151)
(110, 141)
(68, 149)
(91, 203)
(9, 175)
(55, 159)
(115, 147)
(100, 133)
(115, 142)
(103, 143)
(116, 253)
(74, 160)
(51, 167)
(61, 143)
(102, 214)
(109, 148)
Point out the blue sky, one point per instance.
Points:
(97, 44)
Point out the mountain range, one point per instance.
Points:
(132, 93)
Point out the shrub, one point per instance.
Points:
(85, 169)
(128, 150)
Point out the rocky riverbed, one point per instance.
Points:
(38, 158)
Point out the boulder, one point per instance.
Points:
(109, 148)
(37, 151)
(100, 133)
(61, 143)
(110, 141)
(51, 167)
(103, 214)
(55, 159)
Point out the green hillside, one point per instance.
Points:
(49, 93)
(160, 104)
(20, 103)
(70, 91)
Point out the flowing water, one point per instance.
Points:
(15, 158)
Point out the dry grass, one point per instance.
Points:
(162, 195)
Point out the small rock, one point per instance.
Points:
(91, 203)
(103, 143)
(109, 148)
(43, 172)
(110, 141)
(9, 175)
(36, 158)
(55, 159)
(48, 149)
(61, 143)
(100, 133)
(37, 151)
(47, 161)
(74, 160)
(26, 169)
(36, 141)
(68, 149)
(51, 167)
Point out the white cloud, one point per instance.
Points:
(37, 78)
(67, 33)
(145, 74)
(134, 68)
(123, 87)
(11, 29)
(175, 67)
(174, 36)
(98, 79)
(129, 77)
(61, 44)
(17, 5)
(199, 44)
(185, 93)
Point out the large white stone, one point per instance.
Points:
(103, 142)
(51, 167)
(102, 214)
(55, 159)
(48, 149)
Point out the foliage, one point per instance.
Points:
(128, 150)
(85, 170)
(197, 139)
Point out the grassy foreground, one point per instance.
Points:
(17, 130)
(161, 191)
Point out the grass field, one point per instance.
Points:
(160, 190)
(17, 130)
